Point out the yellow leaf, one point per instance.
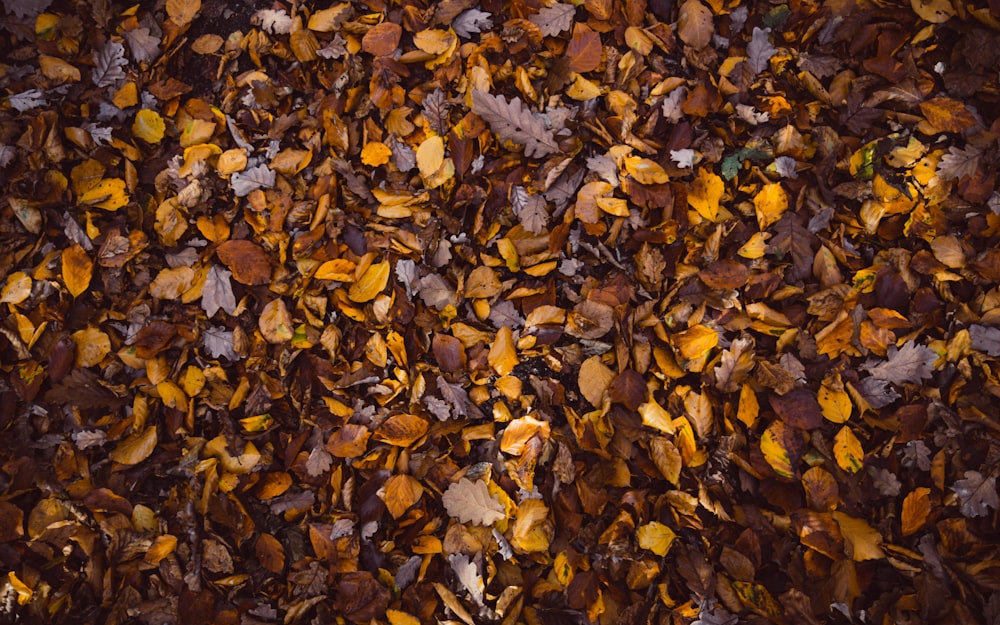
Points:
(172, 395)
(193, 380)
(148, 126)
(57, 69)
(430, 155)
(756, 245)
(24, 593)
(749, 407)
(582, 89)
(328, 19)
(656, 537)
(371, 283)
(398, 617)
(503, 354)
(339, 269)
(77, 269)
(934, 11)
(861, 541)
(519, 431)
(17, 289)
(613, 206)
(848, 451)
(656, 416)
(171, 283)
(290, 161)
(594, 379)
(197, 131)
(258, 423)
(399, 493)
(532, 529)
(645, 171)
(135, 448)
(834, 401)
(162, 547)
(92, 345)
(375, 153)
(109, 194)
(695, 342)
(231, 161)
(770, 204)
(275, 322)
(181, 12)
(241, 464)
(705, 192)
(772, 446)
(434, 41)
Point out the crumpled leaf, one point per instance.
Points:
(977, 493)
(218, 292)
(470, 501)
(513, 121)
(909, 364)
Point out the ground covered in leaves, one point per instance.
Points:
(524, 311)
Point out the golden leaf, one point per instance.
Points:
(532, 529)
(18, 288)
(398, 617)
(916, 509)
(594, 379)
(770, 204)
(57, 69)
(24, 593)
(483, 282)
(848, 451)
(834, 401)
(135, 448)
(645, 171)
(375, 153)
(77, 270)
(162, 547)
(775, 453)
(109, 194)
(861, 540)
(695, 342)
(92, 345)
(656, 416)
(275, 322)
(290, 162)
(401, 430)
(371, 283)
(172, 395)
(399, 493)
(430, 155)
(503, 354)
(656, 537)
(182, 12)
(171, 283)
(148, 126)
(705, 192)
(519, 431)
(749, 407)
(231, 161)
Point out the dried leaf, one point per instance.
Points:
(554, 19)
(469, 501)
(512, 121)
(977, 494)
(911, 363)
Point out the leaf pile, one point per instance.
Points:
(612, 312)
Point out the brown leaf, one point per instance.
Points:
(947, 115)
(798, 408)
(270, 553)
(584, 50)
(249, 262)
(695, 26)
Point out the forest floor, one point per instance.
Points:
(517, 311)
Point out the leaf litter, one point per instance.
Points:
(586, 312)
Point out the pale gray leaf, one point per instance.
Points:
(785, 166)
(26, 8)
(7, 154)
(436, 292)
(437, 407)
(910, 363)
(885, 481)
(276, 22)
(403, 156)
(513, 121)
(504, 313)
(672, 105)
(554, 19)
(251, 179)
(916, 454)
(406, 273)
(319, 461)
(27, 100)
(760, 49)
(959, 163)
(467, 574)
(985, 339)
(977, 494)
(85, 439)
(684, 159)
(100, 134)
(144, 46)
(878, 393)
(218, 292)
(436, 108)
(108, 64)
(472, 22)
(218, 343)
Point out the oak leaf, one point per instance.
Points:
(911, 363)
(977, 494)
(470, 501)
(513, 121)
(554, 19)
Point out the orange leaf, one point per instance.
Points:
(399, 493)
(77, 270)
(947, 115)
(401, 430)
(503, 354)
(270, 553)
(350, 441)
(584, 50)
(248, 261)
(916, 509)
(381, 39)
(135, 448)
